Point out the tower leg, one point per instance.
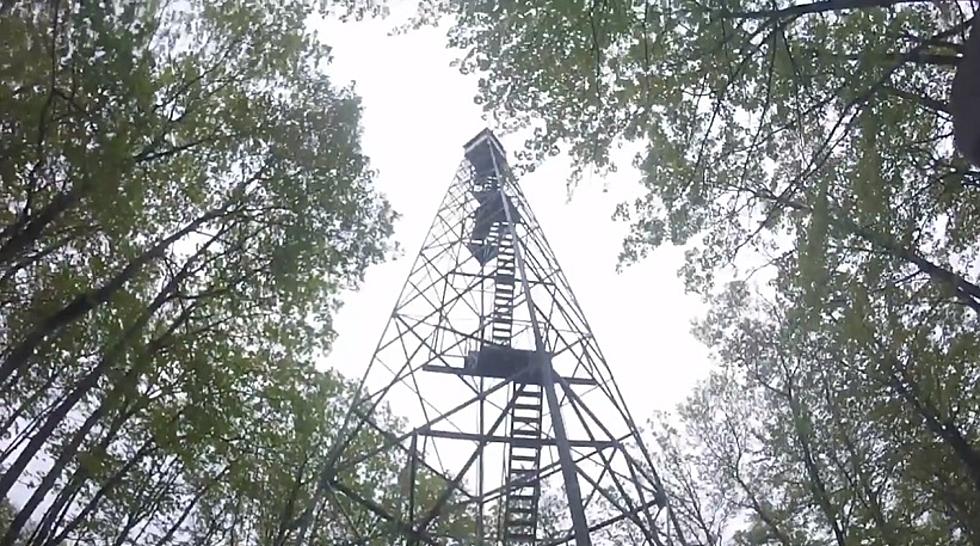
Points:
(570, 476)
(577, 510)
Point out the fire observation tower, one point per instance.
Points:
(514, 431)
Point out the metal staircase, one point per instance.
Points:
(520, 522)
(502, 318)
(492, 239)
(523, 464)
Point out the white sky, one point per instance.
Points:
(418, 112)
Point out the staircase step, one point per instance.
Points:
(523, 478)
(522, 497)
(530, 394)
(524, 455)
(524, 458)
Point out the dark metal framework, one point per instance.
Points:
(514, 430)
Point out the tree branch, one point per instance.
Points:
(816, 7)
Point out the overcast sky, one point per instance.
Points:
(418, 112)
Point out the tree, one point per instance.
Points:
(746, 119)
(816, 443)
(184, 196)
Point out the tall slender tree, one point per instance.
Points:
(184, 195)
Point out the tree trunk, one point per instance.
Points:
(817, 6)
(83, 388)
(135, 513)
(85, 302)
(944, 430)
(56, 510)
(155, 499)
(29, 403)
(27, 230)
(964, 100)
(85, 385)
(187, 509)
(967, 292)
(817, 485)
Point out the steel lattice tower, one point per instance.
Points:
(514, 431)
